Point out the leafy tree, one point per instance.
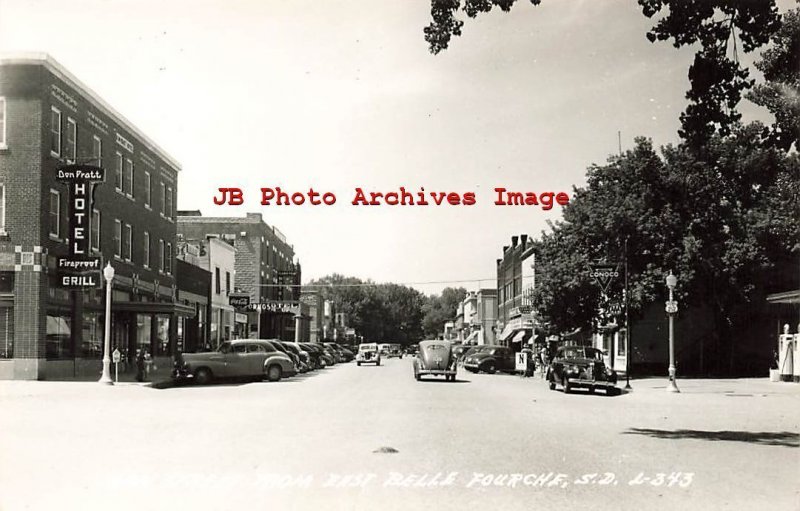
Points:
(718, 26)
(439, 309)
(781, 92)
(379, 312)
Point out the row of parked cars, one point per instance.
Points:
(272, 359)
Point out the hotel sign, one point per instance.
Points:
(80, 270)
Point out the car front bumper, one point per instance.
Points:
(436, 372)
(582, 382)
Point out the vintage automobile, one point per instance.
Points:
(395, 351)
(490, 359)
(368, 354)
(577, 366)
(435, 358)
(235, 359)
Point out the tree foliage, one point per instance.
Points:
(379, 312)
(440, 309)
(719, 27)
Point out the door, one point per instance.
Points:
(256, 354)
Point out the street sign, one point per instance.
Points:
(522, 361)
(116, 356)
(604, 274)
(672, 306)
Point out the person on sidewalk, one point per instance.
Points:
(140, 365)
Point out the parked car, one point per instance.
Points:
(304, 364)
(341, 354)
(334, 354)
(436, 359)
(490, 359)
(281, 345)
(576, 366)
(233, 359)
(368, 354)
(315, 354)
(459, 350)
(395, 351)
(347, 355)
(383, 349)
(472, 350)
(412, 349)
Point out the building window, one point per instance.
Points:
(55, 214)
(72, 140)
(147, 189)
(2, 209)
(118, 173)
(168, 264)
(227, 283)
(97, 150)
(146, 258)
(216, 280)
(169, 202)
(128, 184)
(117, 238)
(95, 230)
(3, 143)
(55, 131)
(127, 238)
(161, 254)
(163, 199)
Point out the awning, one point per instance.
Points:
(522, 335)
(472, 338)
(786, 297)
(154, 308)
(507, 332)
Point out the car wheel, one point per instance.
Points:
(378, 362)
(552, 385)
(591, 390)
(358, 364)
(490, 368)
(613, 391)
(203, 376)
(566, 385)
(274, 372)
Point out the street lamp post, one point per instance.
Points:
(672, 308)
(108, 273)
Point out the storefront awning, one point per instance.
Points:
(153, 308)
(472, 338)
(786, 297)
(522, 335)
(507, 332)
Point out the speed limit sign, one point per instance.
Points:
(116, 356)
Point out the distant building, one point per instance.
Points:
(485, 318)
(264, 266)
(316, 313)
(514, 312)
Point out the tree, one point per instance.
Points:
(780, 94)
(719, 26)
(379, 312)
(439, 309)
(726, 223)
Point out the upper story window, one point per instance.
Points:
(117, 238)
(71, 147)
(163, 198)
(227, 283)
(161, 255)
(97, 150)
(168, 207)
(146, 258)
(55, 131)
(168, 264)
(2, 208)
(127, 185)
(3, 143)
(55, 214)
(118, 172)
(217, 283)
(95, 230)
(147, 189)
(127, 238)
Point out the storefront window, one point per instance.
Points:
(201, 325)
(214, 333)
(59, 336)
(143, 331)
(92, 343)
(622, 343)
(7, 332)
(162, 336)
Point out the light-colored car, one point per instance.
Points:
(435, 358)
(368, 354)
(235, 359)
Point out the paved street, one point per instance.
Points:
(76, 445)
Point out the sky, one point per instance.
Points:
(338, 95)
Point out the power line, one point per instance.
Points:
(367, 284)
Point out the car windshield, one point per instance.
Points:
(225, 347)
(574, 353)
(435, 347)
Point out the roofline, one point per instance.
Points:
(52, 65)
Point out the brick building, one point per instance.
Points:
(514, 312)
(264, 266)
(49, 118)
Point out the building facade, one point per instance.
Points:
(49, 119)
(264, 268)
(514, 312)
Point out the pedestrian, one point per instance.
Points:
(148, 364)
(140, 365)
(544, 360)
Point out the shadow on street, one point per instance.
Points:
(782, 438)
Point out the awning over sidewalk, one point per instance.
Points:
(154, 308)
(507, 332)
(522, 335)
(785, 297)
(472, 338)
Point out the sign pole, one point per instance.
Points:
(628, 353)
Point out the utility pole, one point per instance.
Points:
(628, 352)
